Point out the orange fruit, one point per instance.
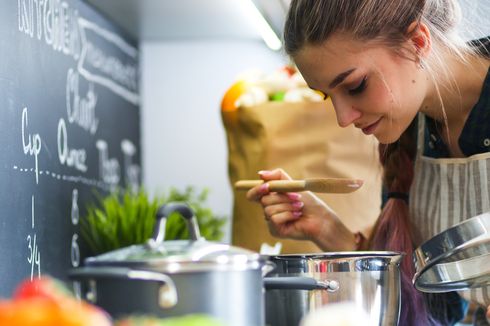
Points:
(37, 311)
(232, 94)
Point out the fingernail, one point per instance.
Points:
(297, 214)
(356, 184)
(293, 196)
(264, 172)
(298, 204)
(264, 188)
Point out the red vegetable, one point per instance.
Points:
(45, 302)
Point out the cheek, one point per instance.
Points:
(409, 102)
(399, 99)
(407, 88)
(381, 99)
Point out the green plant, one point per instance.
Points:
(124, 218)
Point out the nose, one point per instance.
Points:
(346, 113)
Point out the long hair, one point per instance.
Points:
(312, 22)
(393, 230)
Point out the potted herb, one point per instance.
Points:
(124, 218)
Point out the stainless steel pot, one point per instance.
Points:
(174, 278)
(369, 279)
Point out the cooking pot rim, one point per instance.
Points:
(183, 266)
(340, 254)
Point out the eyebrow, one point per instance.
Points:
(340, 78)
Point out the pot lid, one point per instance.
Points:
(174, 256)
(455, 259)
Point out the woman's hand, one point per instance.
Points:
(301, 216)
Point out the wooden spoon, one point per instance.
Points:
(324, 185)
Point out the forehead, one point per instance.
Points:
(336, 44)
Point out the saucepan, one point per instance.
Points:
(370, 280)
(178, 277)
(455, 259)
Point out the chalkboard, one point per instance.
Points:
(69, 127)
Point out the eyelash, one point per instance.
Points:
(359, 89)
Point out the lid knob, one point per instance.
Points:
(185, 211)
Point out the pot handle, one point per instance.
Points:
(185, 211)
(167, 293)
(299, 283)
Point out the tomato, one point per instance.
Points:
(46, 288)
(290, 70)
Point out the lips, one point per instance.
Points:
(368, 130)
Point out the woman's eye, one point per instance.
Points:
(361, 87)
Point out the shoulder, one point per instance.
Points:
(475, 137)
(482, 45)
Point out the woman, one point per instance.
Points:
(397, 70)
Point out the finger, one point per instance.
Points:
(276, 174)
(278, 198)
(256, 193)
(282, 208)
(284, 217)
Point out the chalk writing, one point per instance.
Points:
(98, 63)
(132, 171)
(68, 156)
(53, 19)
(68, 178)
(75, 213)
(75, 251)
(34, 256)
(109, 169)
(80, 110)
(31, 143)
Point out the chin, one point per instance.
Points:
(387, 139)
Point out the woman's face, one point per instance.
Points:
(372, 87)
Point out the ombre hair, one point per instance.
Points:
(386, 23)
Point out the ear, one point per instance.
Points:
(420, 39)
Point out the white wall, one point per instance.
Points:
(475, 21)
(183, 140)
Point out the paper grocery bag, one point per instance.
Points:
(305, 140)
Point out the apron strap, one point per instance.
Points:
(420, 134)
